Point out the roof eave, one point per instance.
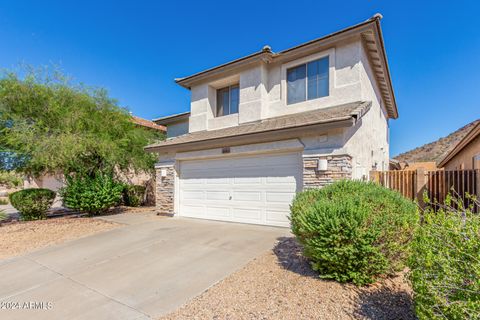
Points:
(460, 145)
(187, 82)
(172, 118)
(368, 28)
(257, 137)
(385, 65)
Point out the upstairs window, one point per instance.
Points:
(228, 100)
(307, 81)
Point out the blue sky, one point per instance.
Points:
(135, 49)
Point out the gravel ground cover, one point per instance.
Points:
(281, 285)
(17, 238)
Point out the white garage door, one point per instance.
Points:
(255, 189)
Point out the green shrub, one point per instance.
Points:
(10, 179)
(32, 204)
(445, 265)
(133, 195)
(354, 231)
(93, 195)
(3, 215)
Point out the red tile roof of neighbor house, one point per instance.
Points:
(148, 124)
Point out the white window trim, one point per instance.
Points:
(330, 53)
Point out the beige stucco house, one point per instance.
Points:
(268, 125)
(466, 154)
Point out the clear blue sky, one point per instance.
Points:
(135, 49)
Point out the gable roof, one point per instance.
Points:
(271, 129)
(469, 137)
(147, 124)
(370, 32)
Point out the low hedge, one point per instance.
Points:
(134, 195)
(354, 231)
(445, 265)
(32, 204)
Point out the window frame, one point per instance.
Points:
(306, 105)
(217, 92)
(306, 85)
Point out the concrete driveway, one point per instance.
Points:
(142, 270)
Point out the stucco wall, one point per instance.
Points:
(368, 143)
(263, 95)
(464, 159)
(177, 129)
(263, 89)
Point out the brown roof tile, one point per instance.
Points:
(147, 123)
(327, 115)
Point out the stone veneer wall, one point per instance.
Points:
(165, 190)
(339, 167)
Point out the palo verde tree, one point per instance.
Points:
(48, 125)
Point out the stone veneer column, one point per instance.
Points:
(339, 167)
(165, 190)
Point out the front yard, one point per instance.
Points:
(18, 238)
(281, 285)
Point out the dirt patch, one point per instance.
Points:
(124, 209)
(17, 238)
(281, 285)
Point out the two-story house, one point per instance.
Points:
(268, 125)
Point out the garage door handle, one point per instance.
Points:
(230, 198)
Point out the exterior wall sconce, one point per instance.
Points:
(322, 164)
(163, 172)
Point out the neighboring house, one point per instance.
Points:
(435, 151)
(268, 125)
(147, 124)
(176, 124)
(412, 166)
(466, 154)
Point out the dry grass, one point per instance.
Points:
(436, 151)
(21, 237)
(281, 285)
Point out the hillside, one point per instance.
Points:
(435, 151)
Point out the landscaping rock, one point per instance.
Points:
(281, 285)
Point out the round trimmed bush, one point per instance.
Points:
(134, 195)
(354, 231)
(32, 204)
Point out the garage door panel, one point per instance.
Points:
(280, 197)
(218, 181)
(247, 180)
(192, 195)
(247, 196)
(255, 189)
(193, 181)
(218, 195)
(282, 180)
